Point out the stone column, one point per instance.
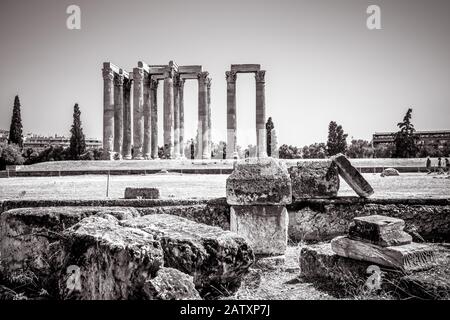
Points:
(260, 114)
(108, 112)
(168, 111)
(231, 114)
(208, 90)
(118, 113)
(126, 148)
(181, 95)
(138, 123)
(202, 134)
(154, 117)
(176, 116)
(146, 149)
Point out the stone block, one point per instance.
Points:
(408, 257)
(380, 230)
(352, 176)
(314, 179)
(264, 227)
(262, 181)
(217, 259)
(141, 193)
(388, 172)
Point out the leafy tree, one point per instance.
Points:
(269, 127)
(384, 151)
(10, 155)
(15, 130)
(360, 149)
(337, 139)
(315, 151)
(289, 152)
(77, 140)
(405, 140)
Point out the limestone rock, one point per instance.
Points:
(262, 181)
(379, 230)
(106, 261)
(314, 179)
(408, 257)
(171, 284)
(217, 259)
(264, 227)
(141, 193)
(352, 176)
(390, 172)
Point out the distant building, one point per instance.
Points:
(40, 142)
(4, 135)
(439, 139)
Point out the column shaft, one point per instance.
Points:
(154, 117)
(108, 112)
(231, 115)
(146, 149)
(126, 147)
(118, 114)
(181, 96)
(168, 112)
(208, 99)
(202, 136)
(260, 114)
(138, 123)
(176, 117)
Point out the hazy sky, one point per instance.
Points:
(322, 62)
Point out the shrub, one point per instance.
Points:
(10, 155)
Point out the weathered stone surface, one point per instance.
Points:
(314, 179)
(263, 181)
(379, 230)
(106, 261)
(390, 172)
(141, 193)
(408, 257)
(264, 227)
(270, 263)
(216, 259)
(171, 284)
(30, 237)
(352, 176)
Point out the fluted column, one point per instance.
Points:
(108, 112)
(181, 96)
(154, 117)
(231, 114)
(126, 147)
(176, 116)
(118, 113)
(260, 114)
(146, 149)
(208, 100)
(138, 123)
(168, 111)
(202, 135)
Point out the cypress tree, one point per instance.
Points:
(15, 130)
(269, 127)
(337, 139)
(405, 140)
(77, 141)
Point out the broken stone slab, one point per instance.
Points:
(262, 181)
(379, 230)
(264, 227)
(314, 179)
(141, 193)
(217, 259)
(352, 176)
(30, 238)
(389, 172)
(103, 260)
(408, 257)
(171, 284)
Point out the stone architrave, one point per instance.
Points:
(181, 97)
(168, 111)
(118, 113)
(154, 117)
(231, 115)
(147, 144)
(126, 147)
(260, 114)
(138, 123)
(352, 176)
(202, 135)
(379, 230)
(108, 112)
(176, 116)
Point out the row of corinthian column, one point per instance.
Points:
(120, 134)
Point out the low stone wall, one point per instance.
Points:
(310, 220)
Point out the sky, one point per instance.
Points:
(322, 62)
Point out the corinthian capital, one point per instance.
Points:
(260, 76)
(153, 84)
(231, 76)
(118, 79)
(170, 72)
(108, 73)
(208, 82)
(202, 76)
(138, 74)
(127, 83)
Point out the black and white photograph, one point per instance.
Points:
(224, 154)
